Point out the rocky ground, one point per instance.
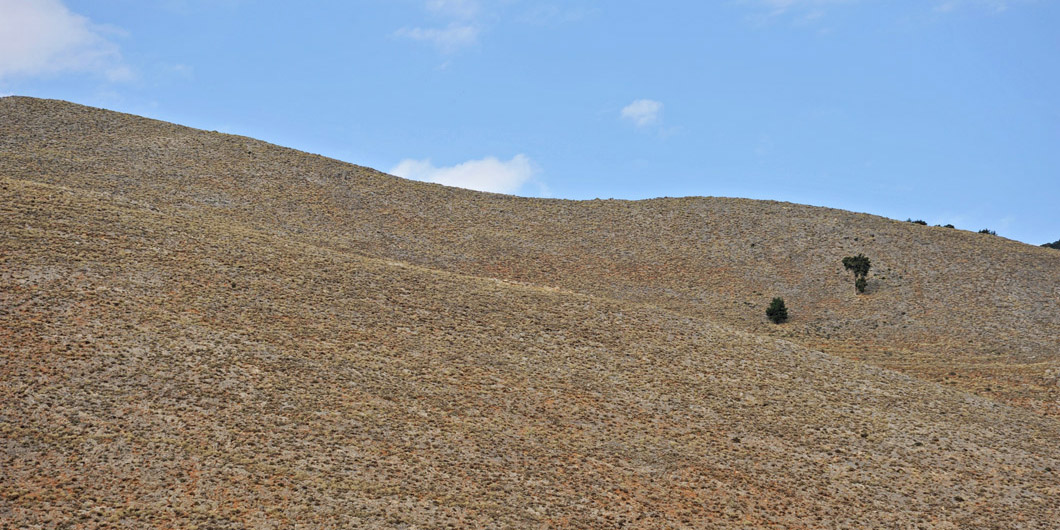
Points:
(205, 330)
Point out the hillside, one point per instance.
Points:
(206, 329)
(941, 301)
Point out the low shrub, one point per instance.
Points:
(988, 231)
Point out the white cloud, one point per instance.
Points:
(805, 13)
(462, 31)
(40, 37)
(642, 112)
(996, 6)
(447, 40)
(487, 174)
(182, 70)
(555, 15)
(454, 8)
(815, 8)
(778, 7)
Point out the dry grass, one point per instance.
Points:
(199, 329)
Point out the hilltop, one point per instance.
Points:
(201, 328)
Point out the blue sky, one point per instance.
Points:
(941, 110)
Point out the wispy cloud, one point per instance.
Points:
(556, 14)
(43, 37)
(465, 9)
(780, 7)
(453, 25)
(813, 9)
(643, 112)
(448, 40)
(995, 6)
(486, 174)
(462, 30)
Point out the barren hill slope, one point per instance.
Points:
(174, 369)
(972, 310)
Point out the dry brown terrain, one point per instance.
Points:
(203, 329)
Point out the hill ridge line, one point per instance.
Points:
(428, 185)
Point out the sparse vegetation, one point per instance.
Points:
(917, 222)
(988, 231)
(860, 266)
(776, 311)
(119, 317)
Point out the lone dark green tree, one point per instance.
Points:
(860, 266)
(776, 311)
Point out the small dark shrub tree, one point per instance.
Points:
(860, 266)
(917, 222)
(1054, 244)
(988, 231)
(776, 311)
(948, 226)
